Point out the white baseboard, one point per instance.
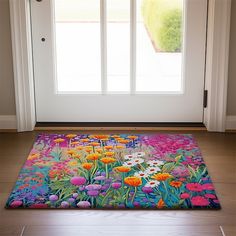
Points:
(231, 122)
(8, 122)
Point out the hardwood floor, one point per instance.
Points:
(219, 152)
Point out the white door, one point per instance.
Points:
(119, 60)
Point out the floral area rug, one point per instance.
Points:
(161, 171)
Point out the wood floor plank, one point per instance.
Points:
(11, 230)
(229, 230)
(108, 230)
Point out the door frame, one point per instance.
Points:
(216, 68)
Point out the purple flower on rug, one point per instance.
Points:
(65, 204)
(53, 198)
(75, 195)
(136, 204)
(116, 185)
(101, 177)
(103, 194)
(81, 188)
(122, 205)
(71, 200)
(131, 193)
(83, 204)
(180, 171)
(108, 181)
(147, 190)
(103, 173)
(145, 200)
(93, 187)
(93, 193)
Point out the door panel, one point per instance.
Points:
(161, 87)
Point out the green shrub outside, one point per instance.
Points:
(163, 20)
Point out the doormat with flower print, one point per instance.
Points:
(161, 171)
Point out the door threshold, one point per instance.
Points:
(129, 126)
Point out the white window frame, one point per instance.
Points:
(216, 64)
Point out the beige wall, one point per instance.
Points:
(7, 100)
(231, 108)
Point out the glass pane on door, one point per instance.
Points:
(118, 45)
(159, 33)
(77, 38)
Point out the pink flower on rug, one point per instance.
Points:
(194, 187)
(207, 186)
(199, 201)
(39, 205)
(78, 180)
(216, 201)
(184, 195)
(16, 204)
(182, 179)
(211, 196)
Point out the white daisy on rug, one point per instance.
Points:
(133, 162)
(129, 157)
(152, 170)
(129, 163)
(155, 163)
(138, 160)
(141, 174)
(139, 154)
(152, 183)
